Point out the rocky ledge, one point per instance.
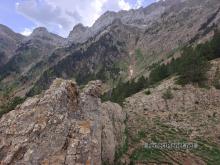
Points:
(62, 126)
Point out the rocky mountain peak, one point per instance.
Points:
(42, 34)
(40, 31)
(7, 32)
(107, 15)
(77, 32)
(79, 27)
(8, 43)
(5, 29)
(138, 17)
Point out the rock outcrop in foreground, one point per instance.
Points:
(62, 126)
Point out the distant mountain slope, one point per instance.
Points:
(162, 29)
(146, 18)
(9, 41)
(119, 45)
(32, 49)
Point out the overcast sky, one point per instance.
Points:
(59, 16)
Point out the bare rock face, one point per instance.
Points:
(113, 128)
(41, 34)
(62, 126)
(27, 52)
(8, 43)
(163, 18)
(77, 32)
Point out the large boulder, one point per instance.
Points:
(62, 126)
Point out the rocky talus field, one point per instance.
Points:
(188, 115)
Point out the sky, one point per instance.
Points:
(59, 16)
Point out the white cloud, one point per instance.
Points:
(43, 14)
(139, 3)
(124, 5)
(60, 16)
(26, 31)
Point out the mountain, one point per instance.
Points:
(140, 18)
(146, 18)
(32, 49)
(9, 41)
(166, 28)
(121, 45)
(42, 35)
(160, 73)
(38, 46)
(77, 33)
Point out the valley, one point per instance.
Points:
(98, 96)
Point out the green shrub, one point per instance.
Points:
(159, 73)
(125, 89)
(176, 89)
(148, 92)
(217, 85)
(139, 55)
(11, 105)
(167, 95)
(193, 68)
